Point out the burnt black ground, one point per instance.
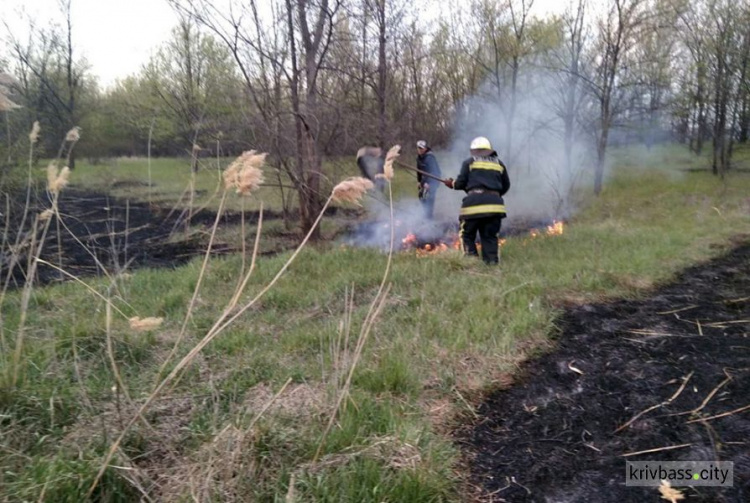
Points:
(118, 233)
(550, 437)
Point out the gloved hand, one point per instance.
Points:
(448, 182)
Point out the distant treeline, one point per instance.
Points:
(303, 80)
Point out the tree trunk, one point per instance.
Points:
(382, 74)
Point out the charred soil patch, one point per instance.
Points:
(557, 435)
(118, 234)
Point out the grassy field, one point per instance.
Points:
(171, 180)
(246, 420)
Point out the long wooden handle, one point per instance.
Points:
(411, 168)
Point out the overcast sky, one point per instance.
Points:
(118, 36)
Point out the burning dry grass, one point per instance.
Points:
(245, 174)
(452, 241)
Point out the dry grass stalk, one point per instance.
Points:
(657, 449)
(56, 181)
(669, 493)
(219, 326)
(708, 397)
(85, 285)
(245, 174)
(351, 190)
(145, 324)
(717, 416)
(201, 275)
(46, 215)
(654, 407)
(375, 308)
(241, 286)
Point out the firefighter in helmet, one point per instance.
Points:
(484, 177)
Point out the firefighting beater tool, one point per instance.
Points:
(423, 173)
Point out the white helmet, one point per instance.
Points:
(480, 143)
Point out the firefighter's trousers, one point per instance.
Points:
(488, 228)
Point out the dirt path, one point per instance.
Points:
(551, 437)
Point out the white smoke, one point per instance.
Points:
(541, 187)
(408, 218)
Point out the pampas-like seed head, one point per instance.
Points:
(34, 135)
(391, 156)
(144, 324)
(73, 135)
(60, 181)
(245, 174)
(351, 190)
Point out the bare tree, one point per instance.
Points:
(52, 77)
(264, 60)
(518, 49)
(617, 34)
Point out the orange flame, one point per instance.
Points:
(556, 229)
(454, 242)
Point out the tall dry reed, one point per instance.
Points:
(351, 191)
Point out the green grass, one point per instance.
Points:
(450, 326)
(171, 177)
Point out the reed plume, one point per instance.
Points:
(245, 174)
(34, 135)
(391, 156)
(351, 190)
(73, 135)
(56, 181)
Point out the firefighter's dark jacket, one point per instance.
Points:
(428, 164)
(485, 179)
